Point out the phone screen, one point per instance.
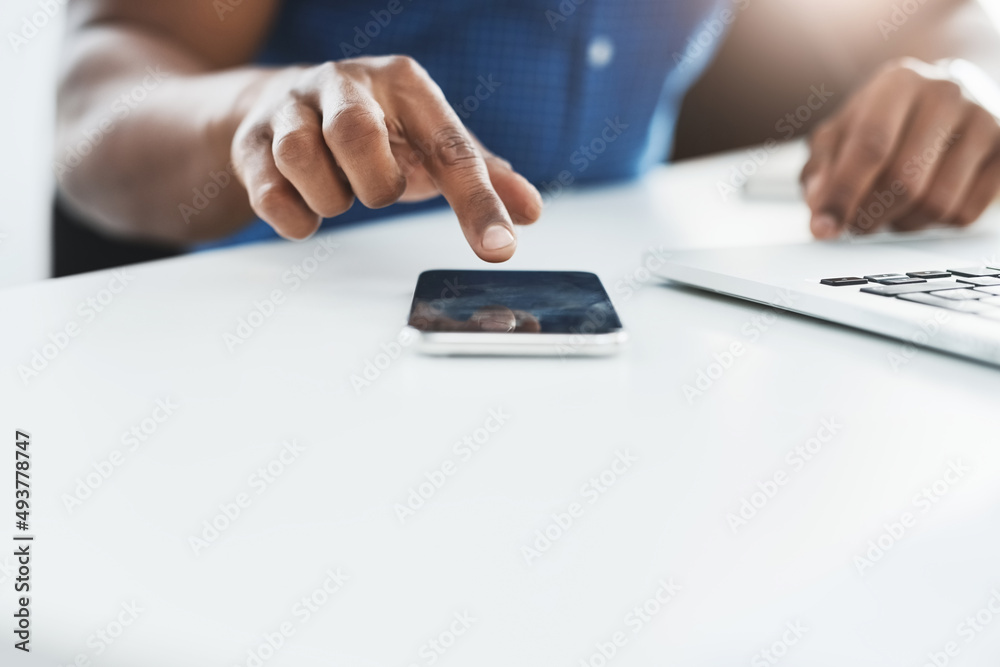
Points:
(563, 302)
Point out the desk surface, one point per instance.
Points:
(548, 503)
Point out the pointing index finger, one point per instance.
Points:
(457, 167)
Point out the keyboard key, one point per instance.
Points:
(962, 294)
(896, 290)
(882, 277)
(989, 290)
(981, 282)
(992, 313)
(932, 300)
(842, 282)
(975, 272)
(991, 301)
(905, 280)
(928, 275)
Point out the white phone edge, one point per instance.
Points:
(444, 343)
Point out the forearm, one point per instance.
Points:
(143, 125)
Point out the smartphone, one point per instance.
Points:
(513, 313)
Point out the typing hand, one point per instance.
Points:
(911, 148)
(378, 129)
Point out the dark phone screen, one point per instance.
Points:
(566, 302)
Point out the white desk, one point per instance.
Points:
(332, 506)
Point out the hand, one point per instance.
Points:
(911, 148)
(378, 129)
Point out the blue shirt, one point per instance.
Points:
(568, 91)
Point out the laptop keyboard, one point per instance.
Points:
(974, 290)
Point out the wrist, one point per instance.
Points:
(224, 118)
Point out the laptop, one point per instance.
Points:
(938, 289)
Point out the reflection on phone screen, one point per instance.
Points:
(512, 302)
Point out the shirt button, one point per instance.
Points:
(600, 52)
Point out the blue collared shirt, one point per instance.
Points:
(568, 91)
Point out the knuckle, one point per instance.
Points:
(380, 195)
(896, 64)
(873, 145)
(327, 71)
(337, 206)
(839, 197)
(354, 123)
(896, 75)
(254, 137)
(454, 148)
(981, 120)
(404, 66)
(911, 187)
(295, 146)
(272, 200)
(905, 70)
(944, 90)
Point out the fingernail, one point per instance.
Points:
(497, 237)
(825, 226)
